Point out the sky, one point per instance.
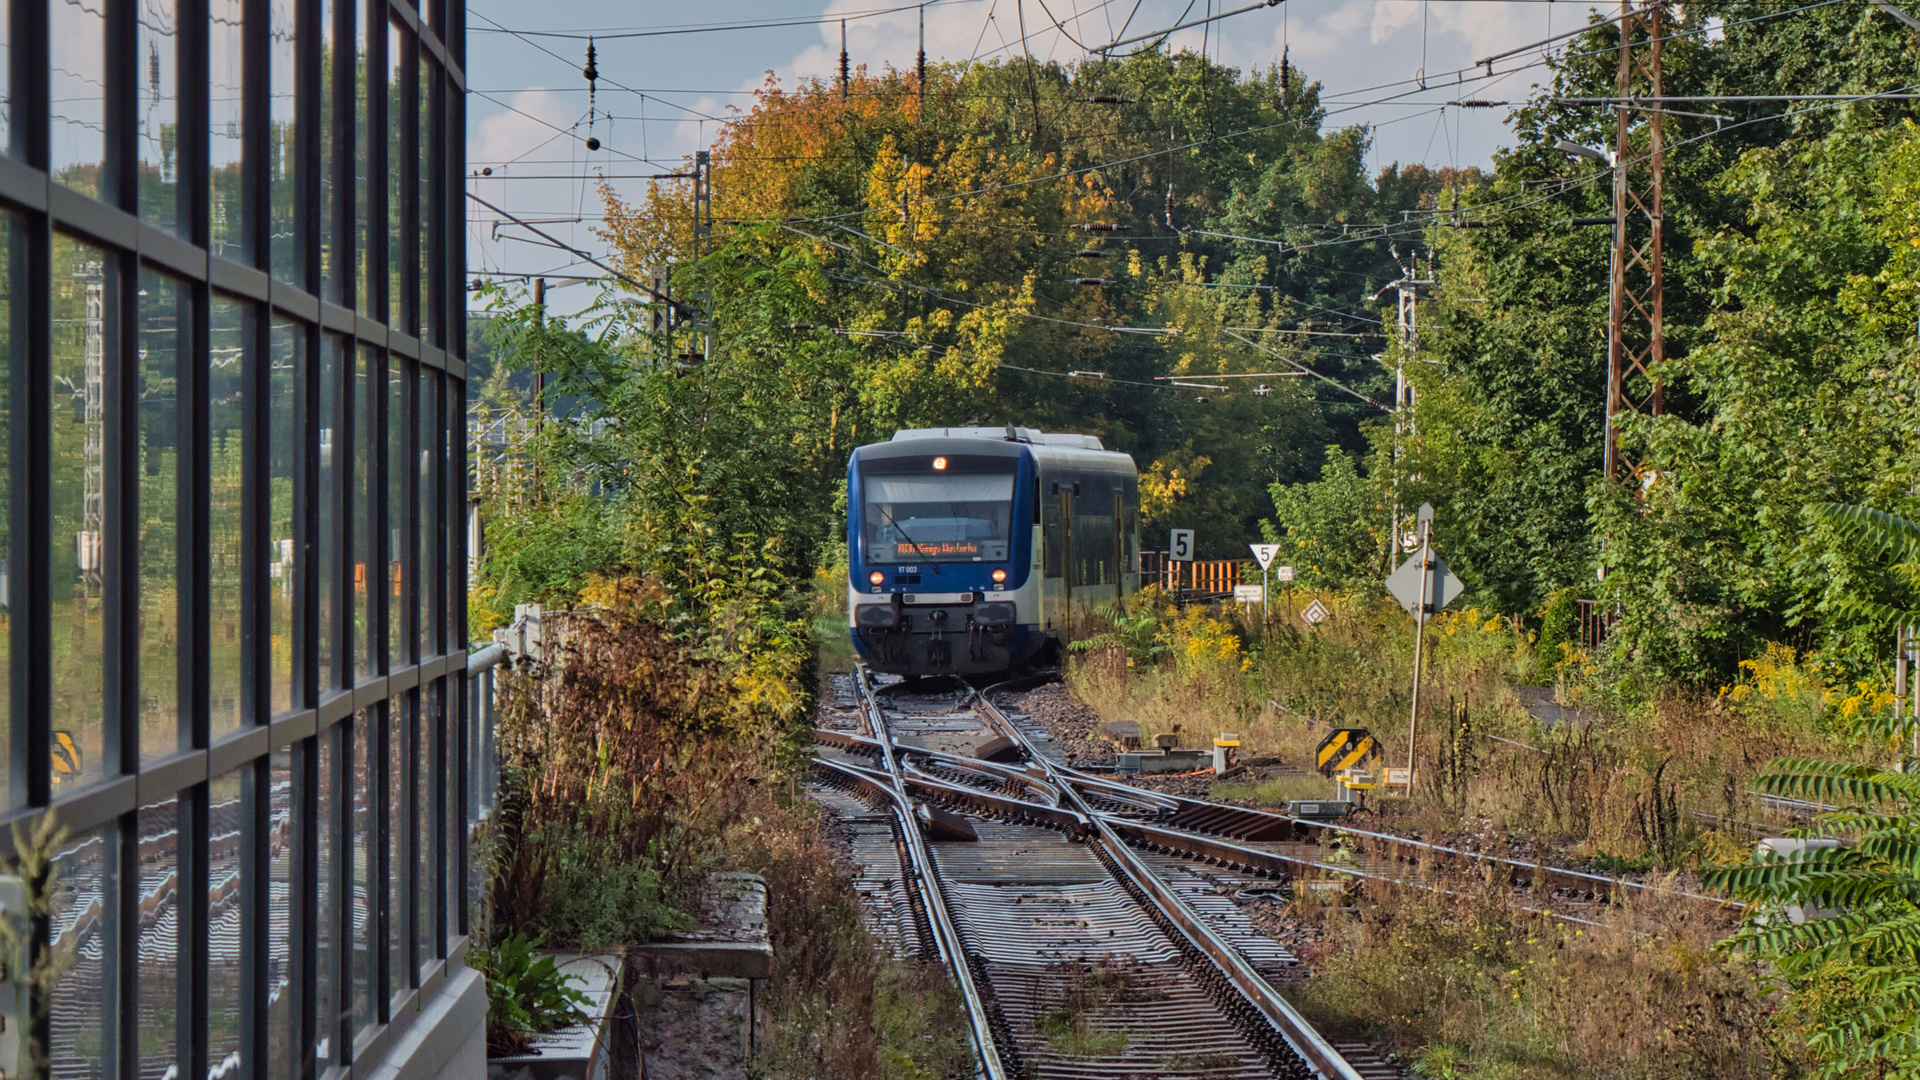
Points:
(670, 79)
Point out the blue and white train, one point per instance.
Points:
(971, 550)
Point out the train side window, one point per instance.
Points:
(1051, 539)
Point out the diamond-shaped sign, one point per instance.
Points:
(1440, 586)
(1264, 553)
(1316, 613)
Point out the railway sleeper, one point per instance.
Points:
(1253, 1026)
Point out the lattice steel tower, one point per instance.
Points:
(1636, 340)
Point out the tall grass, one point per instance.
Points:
(1469, 984)
(1635, 781)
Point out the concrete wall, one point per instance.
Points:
(446, 1039)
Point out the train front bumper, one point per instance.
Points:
(961, 634)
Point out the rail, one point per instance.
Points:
(1205, 822)
(927, 879)
(1300, 1035)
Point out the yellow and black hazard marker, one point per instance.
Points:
(1345, 748)
(66, 756)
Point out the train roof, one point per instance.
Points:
(1009, 433)
(1048, 450)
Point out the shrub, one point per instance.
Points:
(526, 994)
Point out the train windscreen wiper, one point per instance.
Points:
(888, 514)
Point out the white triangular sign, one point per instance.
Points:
(1264, 553)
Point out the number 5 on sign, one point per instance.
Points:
(1180, 545)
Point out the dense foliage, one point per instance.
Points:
(1056, 246)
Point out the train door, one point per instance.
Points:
(1070, 557)
(1053, 562)
(1119, 551)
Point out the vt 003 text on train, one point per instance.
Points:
(971, 550)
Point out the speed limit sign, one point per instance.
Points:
(1180, 545)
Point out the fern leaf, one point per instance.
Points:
(1892, 535)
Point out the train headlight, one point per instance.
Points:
(939, 464)
(999, 574)
(876, 578)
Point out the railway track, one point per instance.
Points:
(1257, 843)
(1080, 951)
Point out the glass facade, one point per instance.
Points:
(232, 638)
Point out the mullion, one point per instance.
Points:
(427, 558)
(193, 199)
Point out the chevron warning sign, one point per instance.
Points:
(66, 756)
(1345, 748)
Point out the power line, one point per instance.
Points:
(1111, 45)
(616, 33)
(678, 307)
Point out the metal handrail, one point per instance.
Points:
(482, 696)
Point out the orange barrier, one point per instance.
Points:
(1217, 576)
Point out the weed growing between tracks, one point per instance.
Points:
(1472, 985)
(1071, 1024)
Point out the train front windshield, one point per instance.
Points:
(938, 517)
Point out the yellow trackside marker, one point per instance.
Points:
(1356, 753)
(66, 755)
(1343, 749)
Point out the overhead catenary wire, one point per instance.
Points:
(1385, 233)
(613, 33)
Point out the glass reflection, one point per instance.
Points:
(162, 333)
(81, 916)
(326, 996)
(400, 721)
(429, 516)
(228, 236)
(157, 113)
(399, 532)
(282, 158)
(329, 238)
(361, 555)
(361, 177)
(399, 142)
(360, 900)
(157, 943)
(426, 821)
(424, 323)
(8, 348)
(226, 900)
(279, 946)
(331, 445)
(229, 332)
(78, 94)
(284, 550)
(78, 571)
(6, 77)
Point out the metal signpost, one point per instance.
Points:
(1179, 550)
(1263, 554)
(1423, 585)
(1284, 575)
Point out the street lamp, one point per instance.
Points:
(1568, 146)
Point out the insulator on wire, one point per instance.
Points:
(592, 72)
